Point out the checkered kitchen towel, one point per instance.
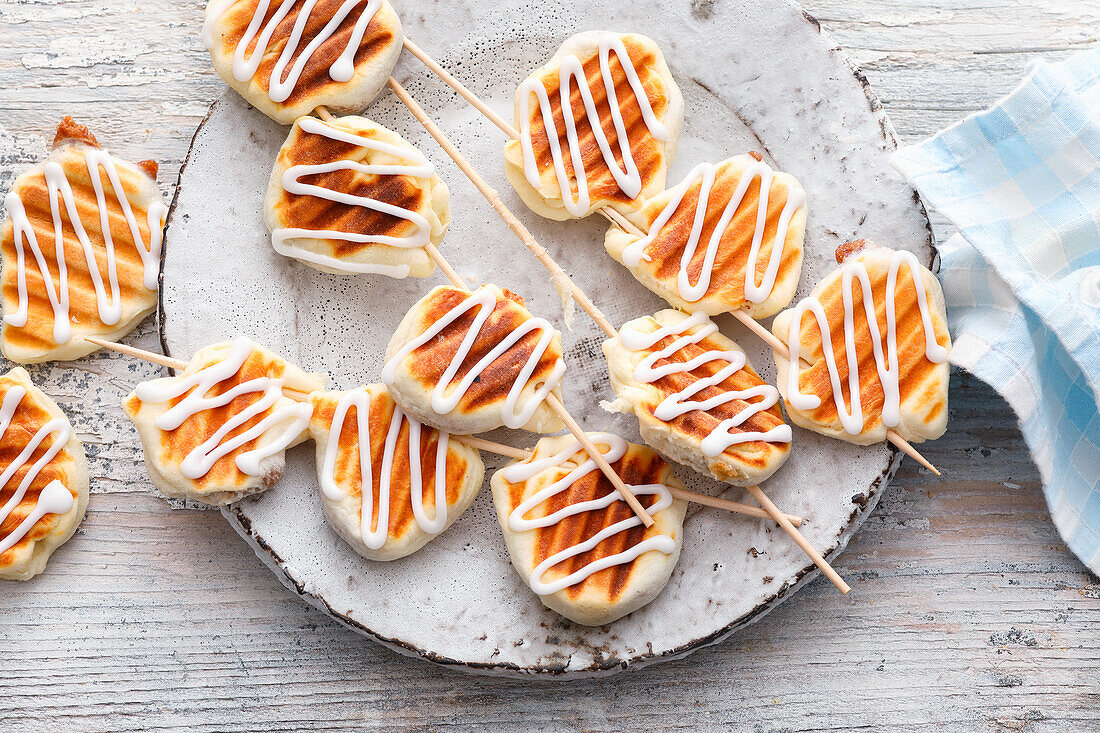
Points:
(1021, 181)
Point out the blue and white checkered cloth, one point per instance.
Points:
(1021, 181)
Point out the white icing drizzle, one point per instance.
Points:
(280, 88)
(680, 403)
(57, 289)
(485, 301)
(416, 166)
(571, 69)
(705, 173)
(375, 538)
(517, 522)
(195, 386)
(54, 498)
(852, 420)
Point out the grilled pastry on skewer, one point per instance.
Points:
(405, 489)
(287, 57)
(219, 430)
(573, 540)
(900, 375)
(469, 362)
(43, 478)
(697, 398)
(622, 120)
(349, 196)
(728, 237)
(80, 249)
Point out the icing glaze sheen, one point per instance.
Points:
(416, 165)
(680, 403)
(282, 81)
(376, 537)
(193, 389)
(705, 174)
(514, 412)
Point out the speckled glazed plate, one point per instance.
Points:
(756, 75)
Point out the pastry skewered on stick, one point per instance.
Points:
(219, 430)
(632, 229)
(286, 57)
(548, 262)
(572, 540)
(470, 440)
(503, 322)
(80, 249)
(782, 251)
(388, 484)
(348, 196)
(861, 369)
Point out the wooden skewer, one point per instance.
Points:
(559, 409)
(137, 353)
(167, 361)
(801, 541)
(470, 440)
(611, 215)
(711, 501)
(558, 274)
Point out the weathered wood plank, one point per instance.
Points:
(968, 613)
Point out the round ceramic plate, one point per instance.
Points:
(756, 75)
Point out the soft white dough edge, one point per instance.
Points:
(438, 211)
(915, 426)
(167, 477)
(344, 515)
(672, 444)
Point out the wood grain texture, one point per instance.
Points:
(967, 612)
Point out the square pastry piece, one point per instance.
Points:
(43, 478)
(286, 57)
(80, 249)
(348, 196)
(598, 125)
(219, 431)
(469, 362)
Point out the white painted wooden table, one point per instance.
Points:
(967, 612)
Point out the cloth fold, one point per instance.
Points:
(1021, 181)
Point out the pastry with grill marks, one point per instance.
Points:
(43, 478)
(218, 431)
(868, 350)
(389, 484)
(572, 538)
(697, 398)
(287, 57)
(348, 196)
(80, 249)
(469, 362)
(598, 125)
